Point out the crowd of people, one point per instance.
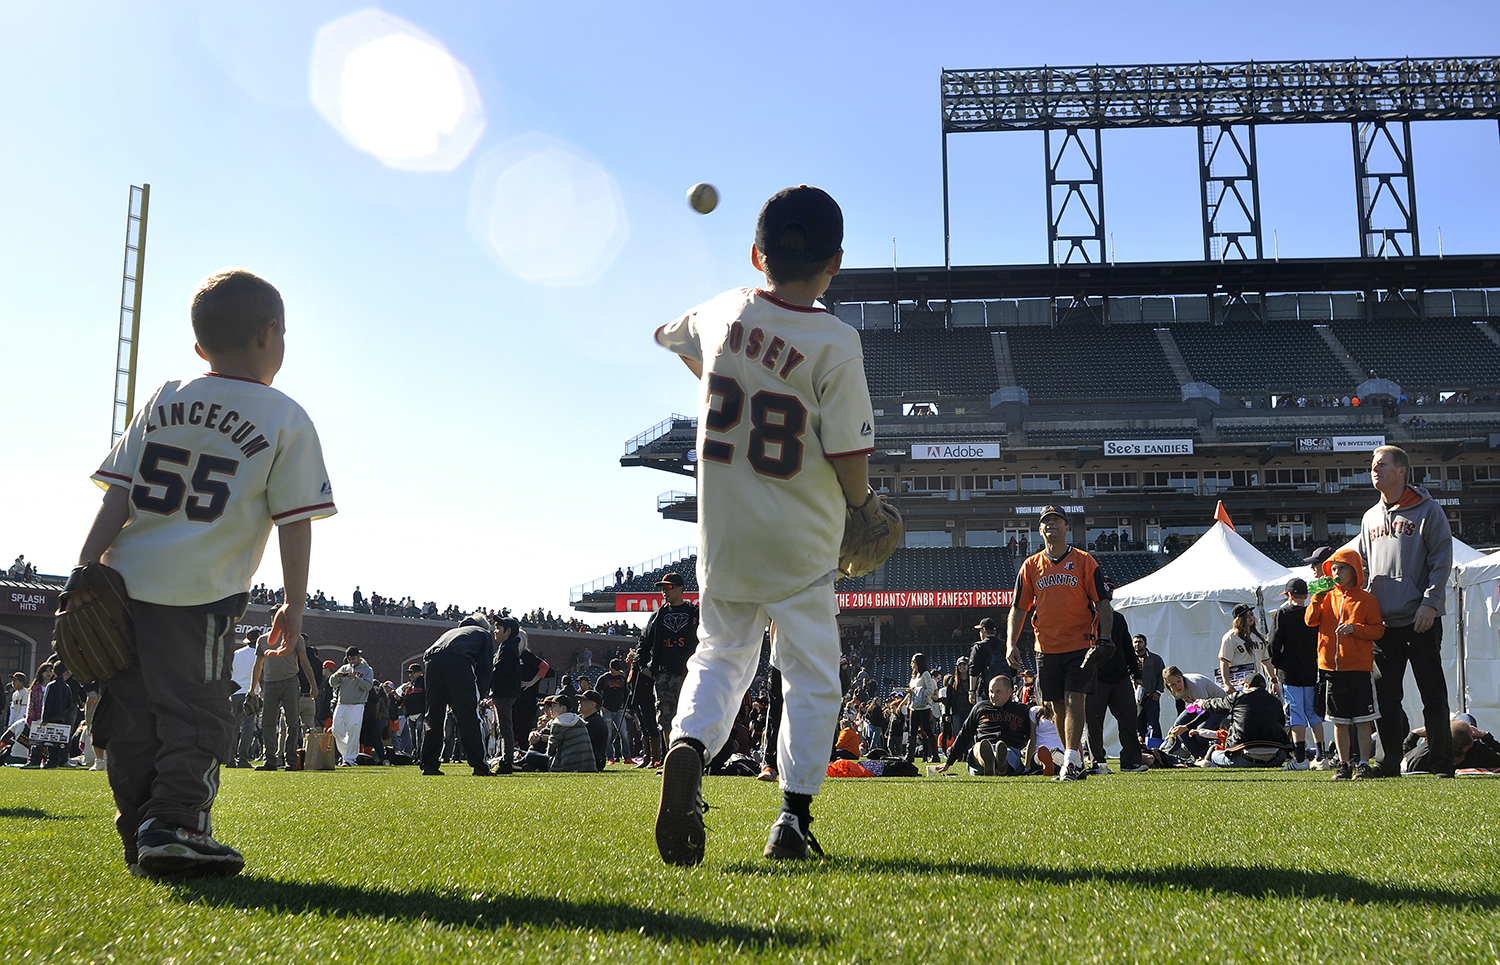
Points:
(375, 604)
(22, 570)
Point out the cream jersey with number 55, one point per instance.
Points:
(210, 463)
(783, 392)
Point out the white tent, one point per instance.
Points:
(1185, 607)
(1474, 639)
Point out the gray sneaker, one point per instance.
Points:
(181, 852)
(1073, 772)
(679, 818)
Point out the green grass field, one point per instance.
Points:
(378, 865)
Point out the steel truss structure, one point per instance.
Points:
(1225, 102)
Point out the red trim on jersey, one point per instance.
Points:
(845, 455)
(657, 337)
(303, 509)
(235, 378)
(811, 309)
(113, 475)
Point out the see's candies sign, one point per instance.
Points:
(1148, 447)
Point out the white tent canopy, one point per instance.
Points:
(1474, 600)
(1185, 608)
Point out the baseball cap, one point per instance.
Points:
(1318, 556)
(413, 668)
(670, 579)
(330, 665)
(1240, 608)
(812, 210)
(1296, 586)
(353, 652)
(565, 701)
(593, 695)
(1053, 511)
(988, 623)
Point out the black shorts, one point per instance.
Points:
(1346, 696)
(1058, 674)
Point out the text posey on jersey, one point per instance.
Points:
(783, 392)
(211, 463)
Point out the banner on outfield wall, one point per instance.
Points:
(1340, 443)
(644, 602)
(966, 599)
(955, 450)
(1148, 447)
(38, 602)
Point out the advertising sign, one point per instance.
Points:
(1148, 447)
(955, 450)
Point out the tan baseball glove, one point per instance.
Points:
(871, 534)
(97, 638)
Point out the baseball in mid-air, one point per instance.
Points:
(703, 197)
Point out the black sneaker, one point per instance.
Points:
(679, 818)
(791, 838)
(169, 851)
(986, 752)
(267, 766)
(1345, 772)
(1364, 772)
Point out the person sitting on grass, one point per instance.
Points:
(1046, 749)
(996, 734)
(1189, 689)
(1257, 727)
(568, 744)
(1348, 621)
(597, 727)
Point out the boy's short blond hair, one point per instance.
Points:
(230, 307)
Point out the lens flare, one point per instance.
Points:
(392, 91)
(546, 213)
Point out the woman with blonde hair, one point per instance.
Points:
(1244, 650)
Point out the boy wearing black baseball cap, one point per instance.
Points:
(784, 431)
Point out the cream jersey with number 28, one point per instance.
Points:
(783, 392)
(210, 462)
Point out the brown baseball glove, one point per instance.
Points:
(872, 532)
(97, 638)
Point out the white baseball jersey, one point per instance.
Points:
(210, 463)
(783, 391)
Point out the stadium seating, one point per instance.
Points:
(1286, 429)
(646, 582)
(1092, 361)
(950, 568)
(1123, 568)
(1256, 357)
(1453, 429)
(1423, 355)
(956, 362)
(1286, 555)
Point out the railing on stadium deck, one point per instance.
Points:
(657, 431)
(672, 498)
(607, 581)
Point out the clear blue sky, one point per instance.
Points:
(475, 347)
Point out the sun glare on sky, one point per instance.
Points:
(395, 92)
(546, 213)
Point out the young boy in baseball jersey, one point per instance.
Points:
(191, 491)
(784, 431)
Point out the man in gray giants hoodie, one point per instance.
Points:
(1407, 547)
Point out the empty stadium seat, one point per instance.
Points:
(1091, 361)
(1257, 357)
(1422, 355)
(951, 362)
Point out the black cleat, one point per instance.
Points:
(679, 819)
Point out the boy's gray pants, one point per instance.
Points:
(166, 719)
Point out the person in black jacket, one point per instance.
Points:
(589, 703)
(668, 641)
(59, 706)
(1294, 654)
(1257, 727)
(986, 659)
(1114, 691)
(459, 666)
(505, 688)
(996, 735)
